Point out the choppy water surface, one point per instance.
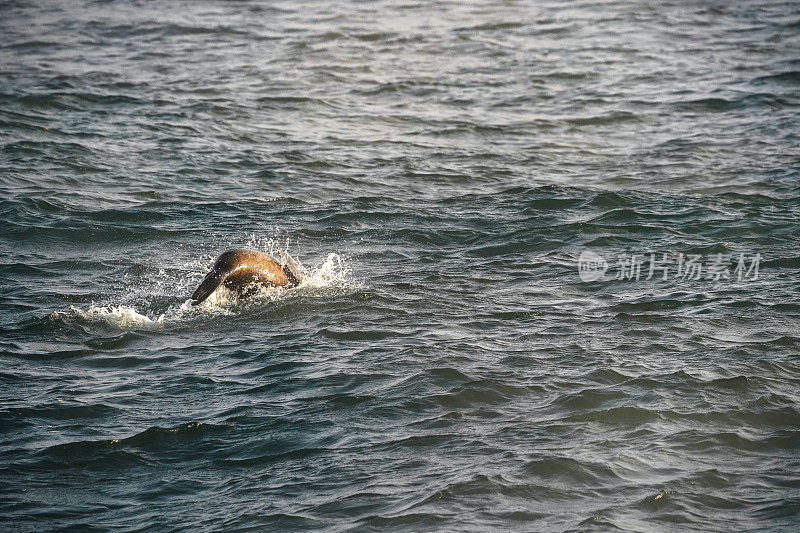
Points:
(437, 169)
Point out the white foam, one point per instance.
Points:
(118, 316)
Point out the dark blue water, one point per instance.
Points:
(437, 169)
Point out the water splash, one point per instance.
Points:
(331, 276)
(144, 311)
(123, 317)
(333, 272)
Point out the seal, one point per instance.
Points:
(243, 270)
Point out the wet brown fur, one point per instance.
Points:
(241, 270)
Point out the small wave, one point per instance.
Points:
(123, 452)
